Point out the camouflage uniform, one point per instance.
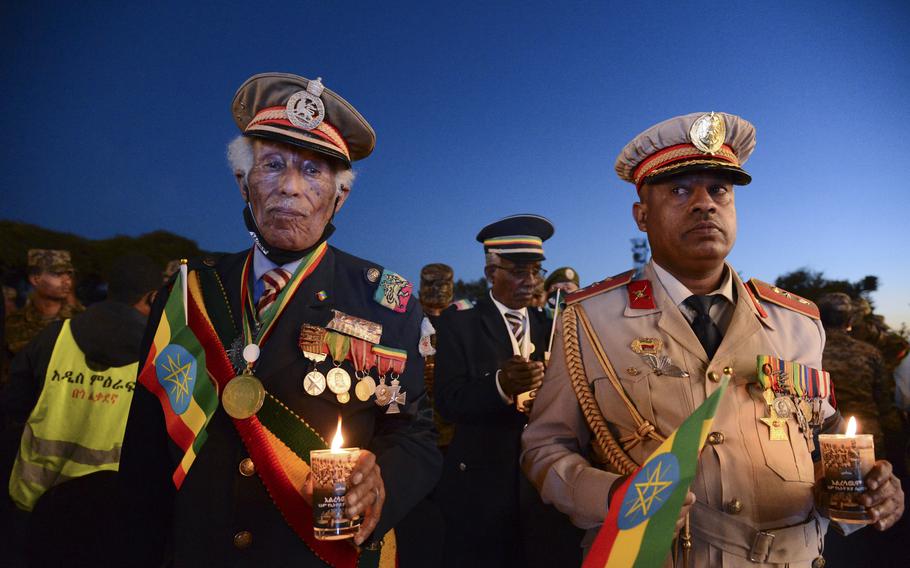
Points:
(860, 384)
(24, 325)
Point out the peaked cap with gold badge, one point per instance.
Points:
(697, 141)
(302, 112)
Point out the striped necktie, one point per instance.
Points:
(516, 321)
(273, 280)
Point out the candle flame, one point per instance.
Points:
(338, 440)
(851, 427)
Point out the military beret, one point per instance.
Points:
(564, 274)
(697, 141)
(50, 260)
(302, 112)
(518, 238)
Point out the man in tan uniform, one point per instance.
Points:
(642, 354)
(50, 272)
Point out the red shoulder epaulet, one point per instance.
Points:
(782, 298)
(600, 287)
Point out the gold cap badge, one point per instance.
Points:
(708, 133)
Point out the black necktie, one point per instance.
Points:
(704, 327)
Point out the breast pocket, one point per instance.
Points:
(636, 388)
(789, 459)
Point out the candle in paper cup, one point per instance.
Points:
(847, 458)
(331, 477)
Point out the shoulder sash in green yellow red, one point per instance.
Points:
(267, 322)
(600, 287)
(275, 439)
(793, 379)
(782, 298)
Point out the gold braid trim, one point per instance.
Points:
(606, 446)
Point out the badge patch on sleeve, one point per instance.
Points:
(393, 291)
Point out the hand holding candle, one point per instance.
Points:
(856, 488)
(347, 491)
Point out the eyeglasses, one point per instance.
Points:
(521, 273)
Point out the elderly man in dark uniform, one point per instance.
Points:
(486, 358)
(307, 318)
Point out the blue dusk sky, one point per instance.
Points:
(117, 114)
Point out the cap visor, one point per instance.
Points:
(736, 174)
(522, 257)
(277, 137)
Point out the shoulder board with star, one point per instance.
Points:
(393, 291)
(600, 287)
(782, 298)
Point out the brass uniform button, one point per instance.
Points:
(728, 371)
(716, 438)
(247, 467)
(714, 376)
(734, 506)
(819, 562)
(462, 466)
(243, 539)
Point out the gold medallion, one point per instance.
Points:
(708, 133)
(338, 380)
(365, 388)
(343, 397)
(314, 383)
(778, 432)
(243, 396)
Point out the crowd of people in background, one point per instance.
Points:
(867, 359)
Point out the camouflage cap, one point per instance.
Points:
(50, 260)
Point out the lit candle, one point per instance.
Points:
(331, 476)
(847, 459)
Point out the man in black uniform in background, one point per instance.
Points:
(293, 166)
(486, 357)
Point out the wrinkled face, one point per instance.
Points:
(513, 284)
(436, 288)
(690, 220)
(53, 285)
(292, 192)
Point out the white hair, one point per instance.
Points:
(240, 157)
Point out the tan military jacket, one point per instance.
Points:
(745, 481)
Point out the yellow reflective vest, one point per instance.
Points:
(77, 426)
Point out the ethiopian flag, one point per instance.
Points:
(175, 372)
(641, 522)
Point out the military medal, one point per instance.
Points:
(783, 406)
(362, 357)
(355, 327)
(391, 360)
(235, 354)
(778, 426)
(312, 342)
(314, 383)
(649, 348)
(338, 380)
(647, 345)
(243, 396)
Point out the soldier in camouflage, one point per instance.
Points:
(857, 370)
(50, 272)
